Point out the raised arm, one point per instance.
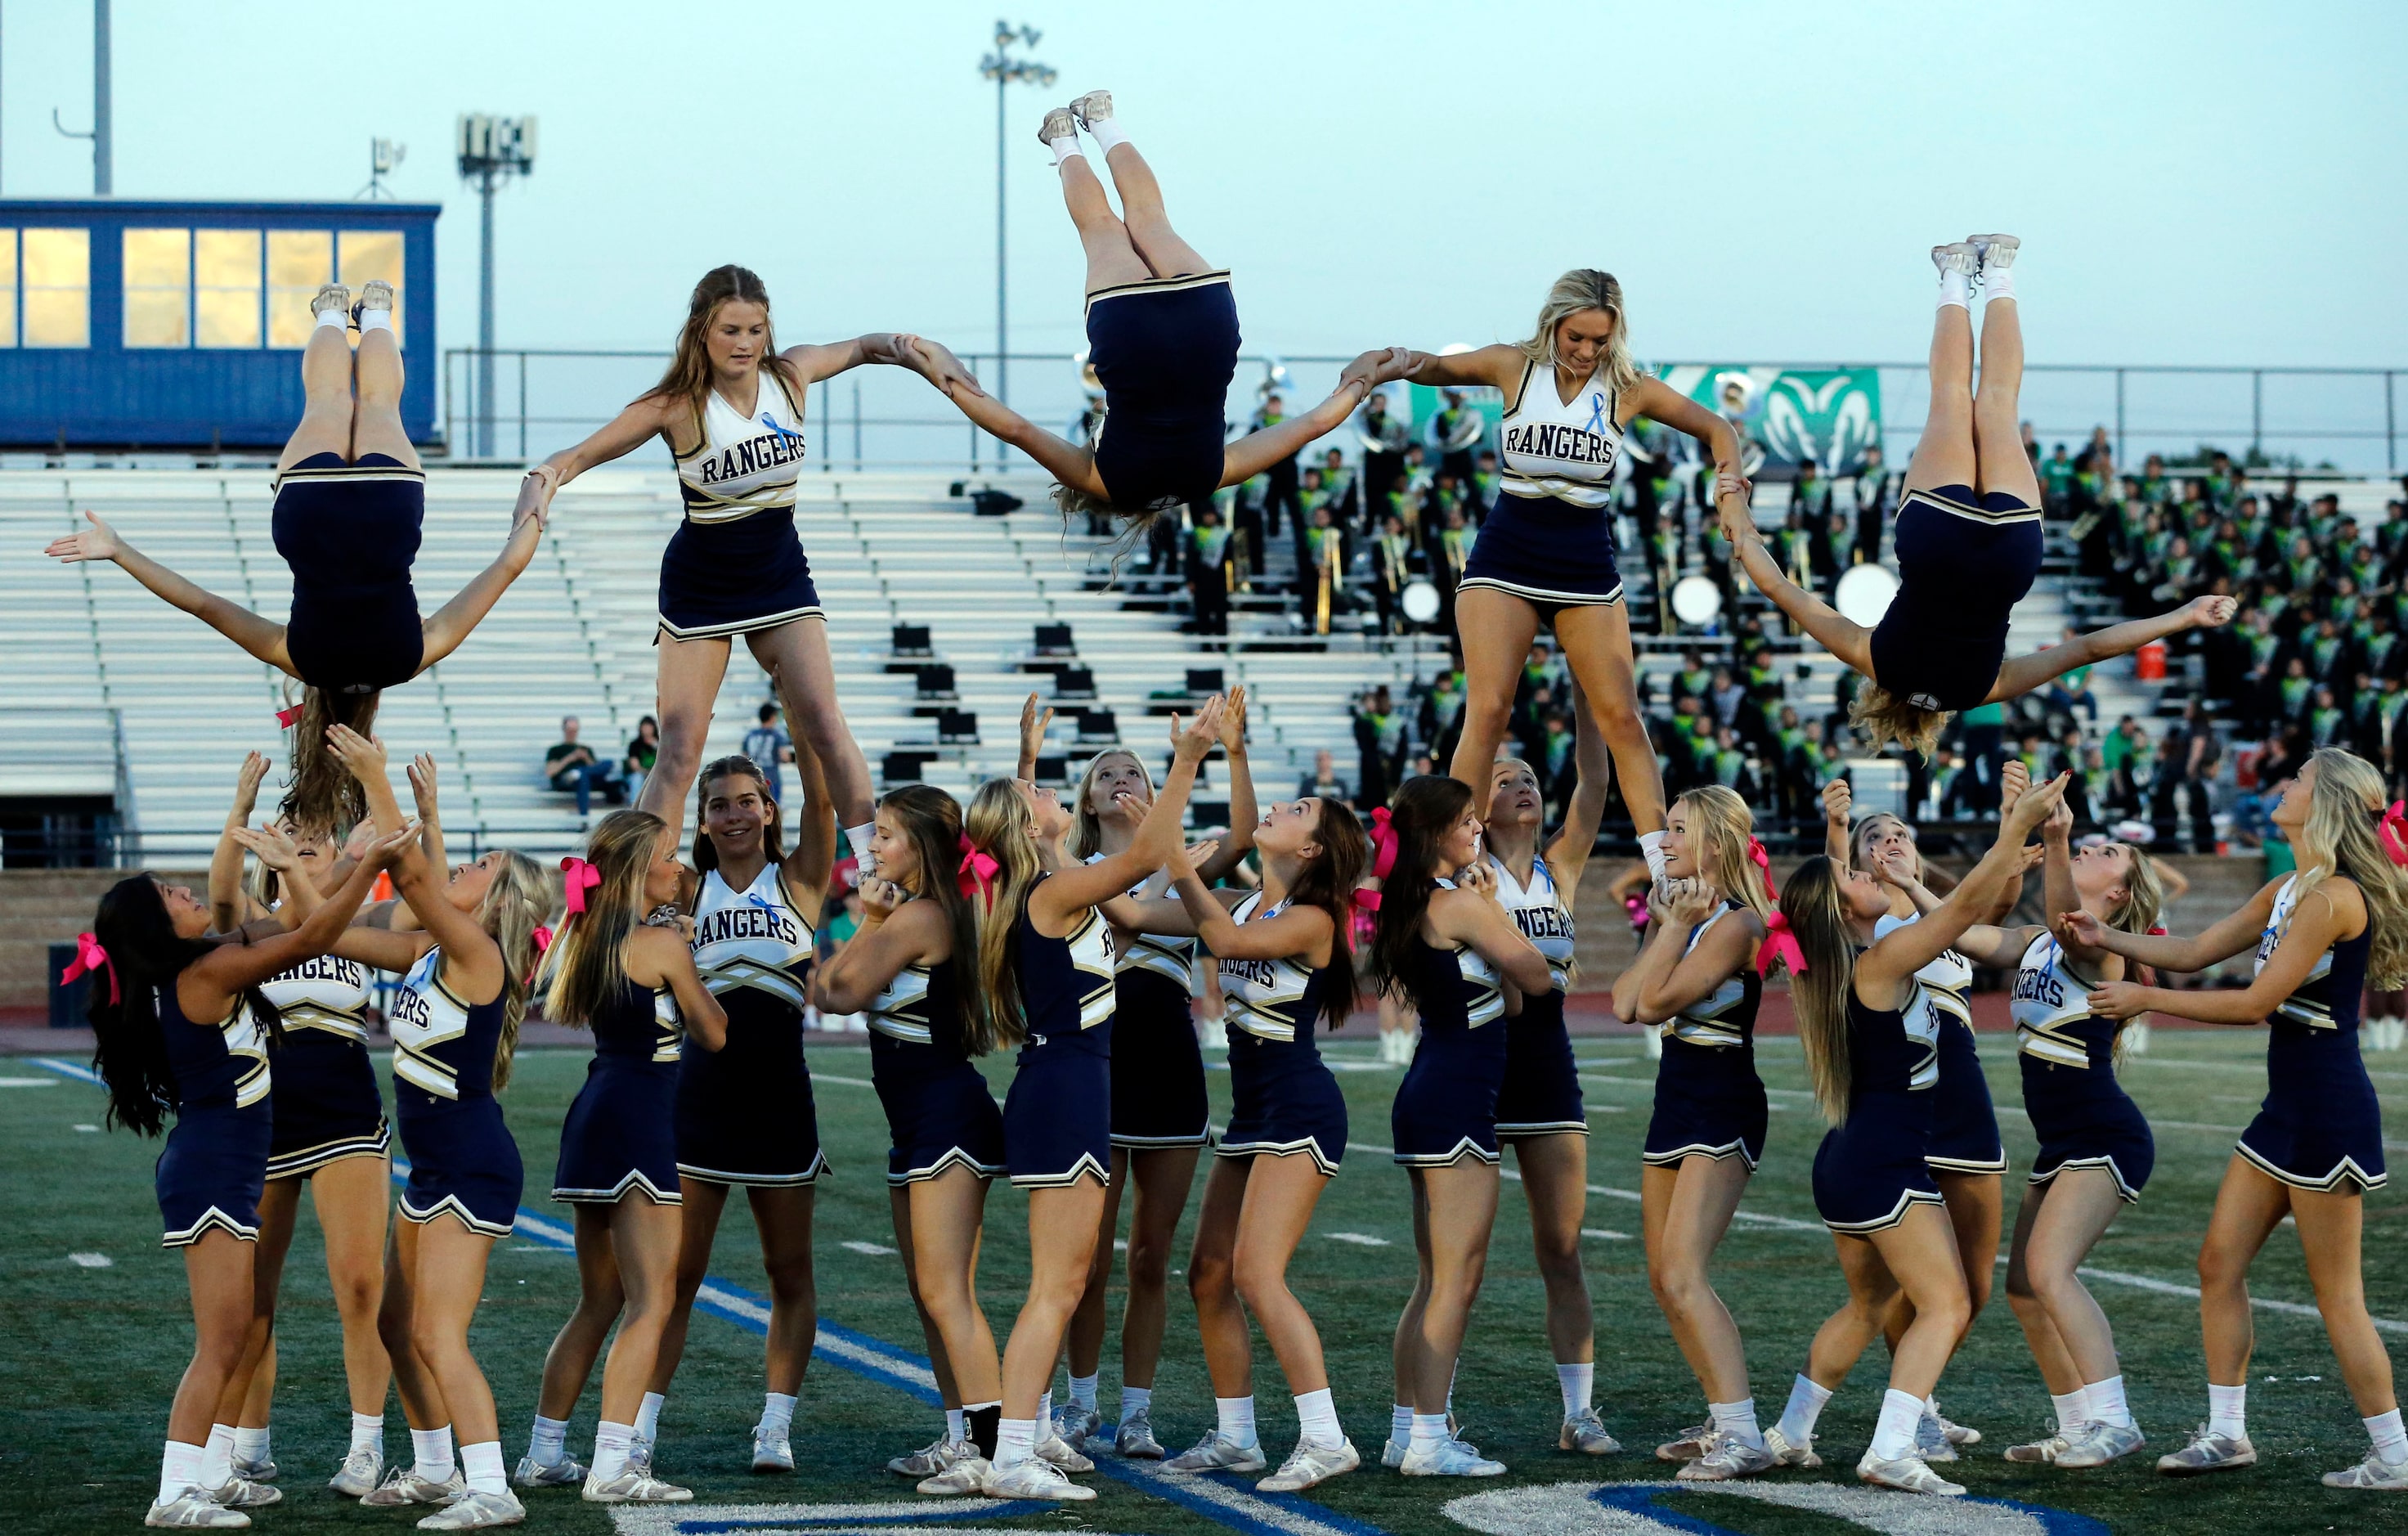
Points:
(364, 755)
(229, 909)
(1837, 802)
(1032, 726)
(1845, 638)
(2022, 674)
(638, 424)
(472, 961)
(1568, 855)
(1066, 461)
(421, 789)
(1243, 814)
(263, 638)
(812, 859)
(1881, 969)
(2228, 937)
(447, 625)
(208, 985)
(1256, 451)
(2333, 912)
(1079, 885)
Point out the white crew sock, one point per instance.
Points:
(2227, 1411)
(778, 1415)
(1956, 288)
(250, 1444)
(375, 319)
(548, 1441)
(1651, 847)
(368, 1433)
(1998, 283)
(179, 1468)
(1134, 1400)
(858, 837)
(2390, 1440)
(1316, 1414)
(611, 1445)
(957, 1424)
(1083, 1394)
(1578, 1384)
(1806, 1401)
(1894, 1434)
(481, 1463)
(1045, 1415)
(1400, 1422)
(648, 1417)
(2104, 1402)
(217, 1458)
(1737, 1420)
(1237, 1419)
(1107, 132)
(339, 319)
(1015, 1441)
(1063, 148)
(1428, 1431)
(2070, 1409)
(430, 1453)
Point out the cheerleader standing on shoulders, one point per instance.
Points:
(635, 985)
(1539, 1108)
(1160, 1112)
(2323, 935)
(745, 1117)
(1282, 953)
(907, 966)
(1448, 946)
(466, 975)
(179, 1023)
(1696, 982)
(1871, 1041)
(330, 1134)
(1045, 971)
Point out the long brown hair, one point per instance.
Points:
(705, 854)
(1426, 810)
(145, 954)
(322, 797)
(999, 825)
(1819, 993)
(515, 902)
(588, 960)
(688, 378)
(1329, 882)
(931, 820)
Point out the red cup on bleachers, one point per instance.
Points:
(2151, 661)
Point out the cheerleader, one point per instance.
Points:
(1160, 1112)
(906, 965)
(1045, 970)
(1162, 337)
(331, 1134)
(465, 973)
(1448, 947)
(1539, 1107)
(730, 409)
(349, 499)
(179, 1023)
(1968, 536)
(744, 1113)
(2323, 935)
(1871, 1041)
(1696, 982)
(634, 983)
(1283, 956)
(1545, 555)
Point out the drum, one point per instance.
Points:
(1419, 600)
(1864, 593)
(1697, 601)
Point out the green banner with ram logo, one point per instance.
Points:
(1792, 415)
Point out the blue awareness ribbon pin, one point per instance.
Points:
(1597, 412)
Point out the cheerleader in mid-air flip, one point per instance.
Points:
(1968, 536)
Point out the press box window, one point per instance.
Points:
(299, 262)
(7, 287)
(368, 254)
(158, 288)
(226, 288)
(56, 273)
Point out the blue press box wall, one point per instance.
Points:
(109, 396)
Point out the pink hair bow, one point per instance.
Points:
(975, 875)
(1780, 947)
(2392, 832)
(89, 956)
(1762, 860)
(1637, 907)
(579, 877)
(1383, 844)
(1366, 900)
(543, 946)
(287, 719)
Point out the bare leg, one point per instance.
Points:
(1164, 1175)
(1554, 1182)
(2058, 1370)
(1111, 256)
(1148, 223)
(375, 420)
(451, 1280)
(898, 1206)
(325, 399)
(2332, 1223)
(644, 1246)
(2249, 1206)
(697, 1226)
(1406, 1350)
(1944, 455)
(1062, 1226)
(1998, 435)
(1495, 629)
(1211, 1278)
(782, 1217)
(1845, 1335)
(1975, 1204)
(217, 1268)
(599, 1298)
(353, 1201)
(947, 1212)
(796, 656)
(1462, 1202)
(2062, 1233)
(1280, 1197)
(1685, 1211)
(690, 673)
(1085, 1344)
(1597, 643)
(422, 1392)
(1921, 1252)
(279, 1207)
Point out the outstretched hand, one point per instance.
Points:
(1192, 740)
(270, 846)
(97, 542)
(1374, 368)
(362, 755)
(2210, 612)
(1839, 802)
(1032, 726)
(936, 362)
(2083, 927)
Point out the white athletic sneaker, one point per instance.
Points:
(359, 1472)
(261, 1471)
(2095, 1444)
(333, 295)
(959, 1481)
(1452, 1458)
(1957, 1434)
(1800, 1455)
(2208, 1452)
(1056, 1451)
(1907, 1474)
(1584, 1432)
(1092, 108)
(241, 1493)
(1217, 1453)
(193, 1510)
(2373, 1473)
(403, 1485)
(771, 1453)
(562, 1474)
(937, 1456)
(476, 1511)
(1958, 257)
(2043, 1452)
(1995, 253)
(1727, 1458)
(375, 293)
(1035, 1478)
(1392, 1455)
(639, 1454)
(1058, 124)
(1691, 1444)
(1134, 1438)
(1073, 1425)
(1931, 1440)
(634, 1486)
(1309, 1464)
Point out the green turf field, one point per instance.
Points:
(92, 1353)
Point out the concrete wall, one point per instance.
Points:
(41, 907)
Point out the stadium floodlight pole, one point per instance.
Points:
(103, 174)
(1002, 68)
(492, 150)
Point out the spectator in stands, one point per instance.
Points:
(2071, 692)
(1384, 439)
(1323, 783)
(1872, 487)
(1724, 696)
(1441, 721)
(768, 745)
(571, 767)
(643, 750)
(1322, 587)
(1392, 567)
(2194, 751)
(1380, 747)
(1209, 569)
(1279, 487)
